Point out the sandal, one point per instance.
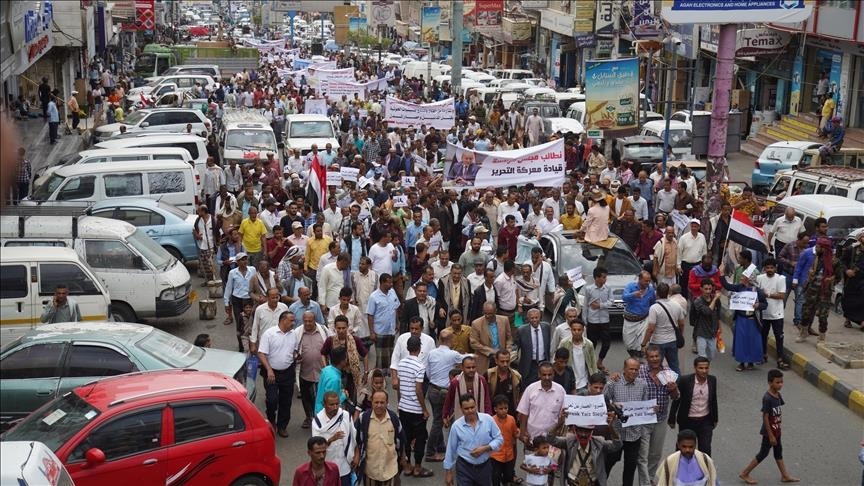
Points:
(750, 367)
(783, 365)
(423, 473)
(228, 321)
(847, 325)
(740, 367)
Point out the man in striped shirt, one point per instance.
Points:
(412, 406)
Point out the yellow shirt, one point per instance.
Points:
(461, 339)
(381, 459)
(314, 249)
(571, 222)
(252, 231)
(828, 108)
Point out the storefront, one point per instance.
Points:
(32, 38)
(561, 61)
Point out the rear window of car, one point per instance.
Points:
(788, 155)
(166, 182)
(171, 350)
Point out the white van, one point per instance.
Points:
(844, 215)
(415, 69)
(142, 278)
(302, 131)
(846, 182)
(183, 82)
(118, 154)
(171, 181)
(511, 73)
(680, 134)
(246, 136)
(28, 278)
(195, 145)
(31, 464)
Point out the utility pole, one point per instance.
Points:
(456, 72)
(671, 77)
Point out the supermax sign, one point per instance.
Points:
(36, 23)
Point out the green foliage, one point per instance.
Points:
(363, 39)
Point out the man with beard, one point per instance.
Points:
(585, 454)
(687, 465)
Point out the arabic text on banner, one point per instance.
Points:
(639, 412)
(585, 410)
(542, 165)
(402, 114)
(349, 173)
(317, 76)
(334, 178)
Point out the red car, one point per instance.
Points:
(171, 427)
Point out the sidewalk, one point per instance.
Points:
(836, 366)
(33, 135)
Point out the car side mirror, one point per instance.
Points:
(94, 457)
(145, 124)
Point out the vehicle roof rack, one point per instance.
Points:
(74, 209)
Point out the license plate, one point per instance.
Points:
(192, 296)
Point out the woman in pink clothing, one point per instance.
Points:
(596, 224)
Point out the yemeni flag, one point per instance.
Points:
(743, 232)
(316, 188)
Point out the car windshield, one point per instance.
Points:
(173, 210)
(70, 159)
(839, 227)
(44, 190)
(250, 139)
(170, 350)
(311, 129)
(546, 111)
(782, 154)
(643, 151)
(134, 118)
(55, 423)
(149, 249)
(680, 138)
(618, 260)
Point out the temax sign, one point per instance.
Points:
(758, 41)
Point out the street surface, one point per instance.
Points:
(820, 437)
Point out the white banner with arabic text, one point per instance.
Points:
(542, 165)
(402, 114)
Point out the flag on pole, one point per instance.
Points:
(743, 232)
(316, 188)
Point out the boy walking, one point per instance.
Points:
(504, 459)
(771, 419)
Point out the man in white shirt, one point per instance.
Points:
(555, 202)
(334, 424)
(400, 347)
(266, 316)
(511, 206)
(477, 278)
(639, 204)
(665, 198)
(784, 231)
(691, 247)
(442, 266)
(774, 287)
(548, 223)
(277, 354)
(332, 279)
(383, 254)
(333, 215)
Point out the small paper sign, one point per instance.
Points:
(585, 410)
(400, 201)
(639, 412)
(742, 301)
(408, 181)
(334, 178)
(349, 174)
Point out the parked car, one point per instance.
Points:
(644, 152)
(686, 116)
(776, 157)
(165, 224)
(185, 427)
(846, 182)
(680, 135)
(565, 252)
(52, 359)
(27, 463)
(157, 120)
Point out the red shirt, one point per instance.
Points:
(509, 238)
(303, 475)
(271, 244)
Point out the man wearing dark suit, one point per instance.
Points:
(454, 293)
(696, 408)
(424, 307)
(483, 293)
(533, 341)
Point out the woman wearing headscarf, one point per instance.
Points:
(747, 344)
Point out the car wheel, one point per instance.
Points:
(174, 252)
(121, 312)
(250, 481)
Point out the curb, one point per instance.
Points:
(823, 380)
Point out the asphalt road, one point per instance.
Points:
(821, 438)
